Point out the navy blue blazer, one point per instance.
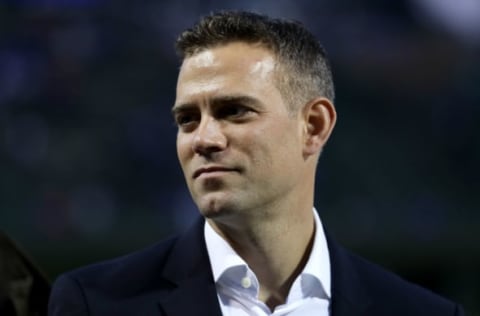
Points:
(174, 278)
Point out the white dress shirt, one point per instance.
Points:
(238, 287)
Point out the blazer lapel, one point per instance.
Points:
(188, 268)
(349, 295)
(194, 293)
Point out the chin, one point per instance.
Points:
(214, 207)
(213, 210)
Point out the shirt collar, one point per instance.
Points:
(317, 269)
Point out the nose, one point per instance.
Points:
(209, 137)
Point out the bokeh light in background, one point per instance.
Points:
(87, 143)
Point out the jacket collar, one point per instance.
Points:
(194, 293)
(349, 295)
(188, 268)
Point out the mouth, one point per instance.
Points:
(211, 170)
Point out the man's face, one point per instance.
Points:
(238, 145)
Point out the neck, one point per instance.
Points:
(275, 248)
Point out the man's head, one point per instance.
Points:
(244, 147)
(302, 68)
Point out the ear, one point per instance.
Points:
(319, 119)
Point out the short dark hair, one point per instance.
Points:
(301, 60)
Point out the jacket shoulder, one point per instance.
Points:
(137, 270)
(392, 293)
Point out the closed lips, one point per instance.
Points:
(197, 173)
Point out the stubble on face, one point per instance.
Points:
(256, 145)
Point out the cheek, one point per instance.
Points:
(183, 149)
(283, 145)
(267, 145)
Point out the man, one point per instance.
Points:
(254, 111)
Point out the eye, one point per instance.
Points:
(186, 120)
(233, 111)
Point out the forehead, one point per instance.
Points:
(236, 53)
(232, 66)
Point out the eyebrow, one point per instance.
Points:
(218, 101)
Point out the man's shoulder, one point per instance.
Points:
(140, 267)
(382, 280)
(388, 290)
(127, 285)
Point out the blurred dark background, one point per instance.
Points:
(88, 166)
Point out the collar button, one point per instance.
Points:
(246, 282)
